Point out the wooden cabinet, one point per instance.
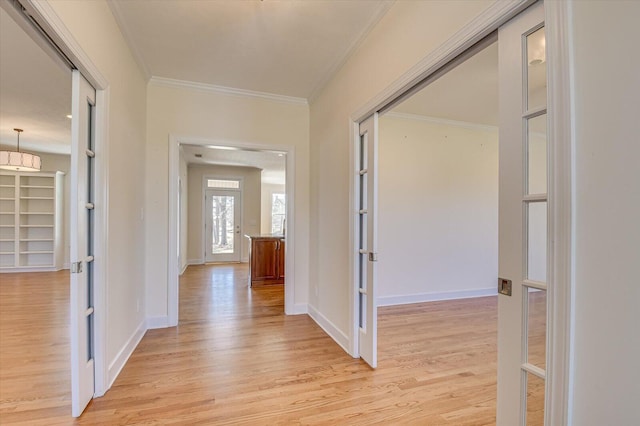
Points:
(266, 260)
(31, 221)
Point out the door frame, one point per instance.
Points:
(46, 17)
(173, 267)
(560, 106)
(204, 210)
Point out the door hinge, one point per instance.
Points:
(76, 267)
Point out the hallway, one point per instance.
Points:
(236, 358)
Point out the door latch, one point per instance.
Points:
(76, 267)
(373, 257)
(504, 286)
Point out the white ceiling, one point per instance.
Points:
(272, 163)
(35, 93)
(287, 48)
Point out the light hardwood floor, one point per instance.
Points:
(236, 359)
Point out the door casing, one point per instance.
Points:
(560, 105)
(172, 253)
(51, 24)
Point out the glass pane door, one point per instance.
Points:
(222, 228)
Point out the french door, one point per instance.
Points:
(367, 206)
(82, 243)
(222, 226)
(522, 258)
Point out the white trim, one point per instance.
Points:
(50, 22)
(172, 253)
(481, 26)
(48, 19)
(334, 332)
(212, 88)
(339, 63)
(435, 296)
(184, 268)
(442, 121)
(12, 270)
(198, 261)
(101, 242)
(561, 221)
(157, 322)
(121, 359)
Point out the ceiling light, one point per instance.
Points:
(69, 116)
(19, 161)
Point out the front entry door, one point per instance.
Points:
(222, 226)
(522, 258)
(81, 238)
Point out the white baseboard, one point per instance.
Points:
(157, 322)
(433, 297)
(334, 332)
(195, 262)
(184, 268)
(299, 309)
(121, 359)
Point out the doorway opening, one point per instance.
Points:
(227, 199)
(45, 216)
(519, 243)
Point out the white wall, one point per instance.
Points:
(607, 213)
(250, 205)
(407, 33)
(437, 211)
(268, 189)
(222, 117)
(95, 29)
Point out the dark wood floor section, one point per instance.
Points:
(235, 359)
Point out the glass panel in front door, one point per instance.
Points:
(223, 229)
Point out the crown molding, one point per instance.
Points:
(212, 88)
(442, 121)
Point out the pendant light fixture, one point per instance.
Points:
(19, 161)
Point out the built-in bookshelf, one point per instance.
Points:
(31, 221)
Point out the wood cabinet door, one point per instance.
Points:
(264, 260)
(281, 261)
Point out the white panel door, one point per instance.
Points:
(222, 226)
(522, 316)
(367, 205)
(81, 238)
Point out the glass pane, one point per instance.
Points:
(223, 184)
(278, 210)
(536, 70)
(535, 400)
(537, 327)
(537, 241)
(223, 224)
(537, 155)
